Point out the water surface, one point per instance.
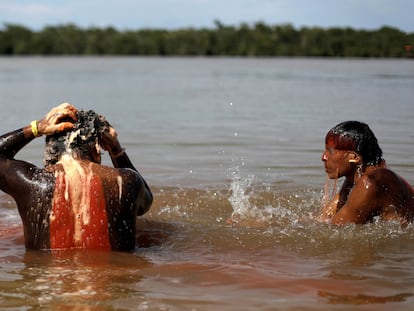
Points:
(220, 139)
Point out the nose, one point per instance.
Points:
(324, 157)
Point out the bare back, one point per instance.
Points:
(88, 201)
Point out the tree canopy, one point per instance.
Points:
(257, 40)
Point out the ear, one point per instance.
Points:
(354, 157)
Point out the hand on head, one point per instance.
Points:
(62, 117)
(109, 138)
(58, 119)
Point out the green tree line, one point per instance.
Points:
(254, 40)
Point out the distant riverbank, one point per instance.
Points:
(258, 40)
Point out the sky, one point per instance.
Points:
(176, 14)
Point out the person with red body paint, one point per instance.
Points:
(370, 189)
(74, 201)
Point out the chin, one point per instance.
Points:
(331, 175)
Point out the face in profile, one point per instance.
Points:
(339, 157)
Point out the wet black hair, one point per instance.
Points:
(358, 137)
(84, 136)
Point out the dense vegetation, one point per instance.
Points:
(244, 40)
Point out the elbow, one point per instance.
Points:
(145, 203)
(342, 220)
(338, 222)
(149, 198)
(339, 219)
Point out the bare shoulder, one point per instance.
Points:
(128, 175)
(391, 190)
(387, 180)
(382, 173)
(383, 179)
(113, 172)
(127, 172)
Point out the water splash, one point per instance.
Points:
(330, 190)
(239, 198)
(249, 206)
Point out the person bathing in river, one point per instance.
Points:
(74, 201)
(370, 189)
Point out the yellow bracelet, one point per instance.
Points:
(34, 128)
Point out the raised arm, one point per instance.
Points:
(13, 173)
(120, 159)
(58, 119)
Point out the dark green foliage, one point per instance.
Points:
(223, 40)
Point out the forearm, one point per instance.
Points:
(109, 142)
(120, 158)
(329, 210)
(12, 142)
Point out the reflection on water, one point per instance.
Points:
(362, 299)
(190, 256)
(72, 279)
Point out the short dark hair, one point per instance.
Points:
(85, 135)
(356, 136)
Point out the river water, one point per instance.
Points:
(231, 148)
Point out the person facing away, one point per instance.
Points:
(369, 189)
(74, 201)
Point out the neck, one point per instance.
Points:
(91, 156)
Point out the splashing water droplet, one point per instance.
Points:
(239, 199)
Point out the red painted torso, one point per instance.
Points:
(78, 218)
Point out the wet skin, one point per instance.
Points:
(56, 209)
(367, 191)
